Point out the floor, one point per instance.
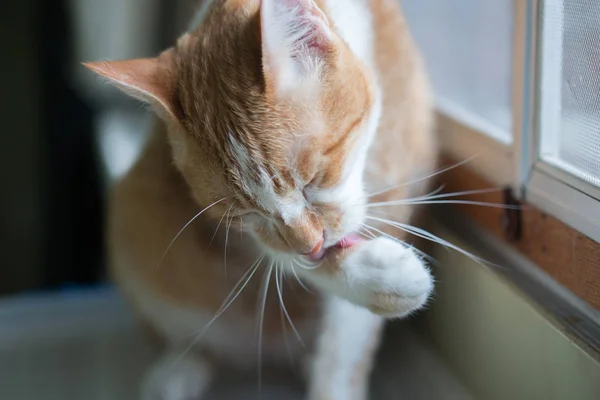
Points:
(83, 345)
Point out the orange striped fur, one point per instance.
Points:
(278, 117)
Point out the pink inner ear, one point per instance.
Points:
(319, 38)
(315, 41)
(282, 18)
(309, 9)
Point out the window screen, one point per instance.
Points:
(467, 46)
(570, 87)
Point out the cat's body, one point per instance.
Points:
(391, 143)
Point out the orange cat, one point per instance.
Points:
(280, 121)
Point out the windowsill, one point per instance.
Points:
(561, 251)
(497, 337)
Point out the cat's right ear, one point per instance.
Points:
(147, 79)
(297, 40)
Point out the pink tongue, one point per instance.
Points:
(348, 241)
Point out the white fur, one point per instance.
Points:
(262, 190)
(287, 28)
(353, 23)
(379, 267)
(281, 33)
(349, 194)
(285, 25)
(348, 335)
(177, 378)
(352, 19)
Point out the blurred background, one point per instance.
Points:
(68, 135)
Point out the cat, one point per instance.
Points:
(281, 126)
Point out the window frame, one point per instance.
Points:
(544, 185)
(518, 164)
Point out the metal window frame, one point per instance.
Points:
(541, 184)
(553, 190)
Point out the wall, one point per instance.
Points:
(501, 344)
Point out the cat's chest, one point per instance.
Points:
(234, 335)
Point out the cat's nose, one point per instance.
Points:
(317, 247)
(318, 251)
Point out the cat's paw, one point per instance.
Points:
(177, 378)
(387, 277)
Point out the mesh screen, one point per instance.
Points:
(572, 142)
(467, 46)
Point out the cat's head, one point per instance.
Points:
(270, 110)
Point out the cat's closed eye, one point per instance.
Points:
(312, 186)
(306, 192)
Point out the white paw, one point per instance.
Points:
(175, 378)
(387, 277)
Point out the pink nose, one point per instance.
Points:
(317, 252)
(317, 248)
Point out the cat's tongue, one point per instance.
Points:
(348, 241)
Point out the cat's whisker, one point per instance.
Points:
(422, 233)
(235, 292)
(261, 316)
(278, 283)
(434, 196)
(227, 227)
(431, 175)
(212, 239)
(224, 306)
(284, 327)
(455, 194)
(308, 267)
(298, 278)
(407, 228)
(242, 231)
(432, 193)
(365, 232)
(162, 258)
(467, 202)
(403, 243)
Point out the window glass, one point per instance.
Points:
(467, 46)
(570, 87)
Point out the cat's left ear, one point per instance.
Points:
(147, 79)
(297, 40)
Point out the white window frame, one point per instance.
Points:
(569, 198)
(536, 91)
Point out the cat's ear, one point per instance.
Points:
(297, 40)
(147, 79)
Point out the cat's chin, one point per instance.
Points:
(346, 242)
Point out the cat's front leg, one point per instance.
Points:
(382, 275)
(177, 376)
(343, 359)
